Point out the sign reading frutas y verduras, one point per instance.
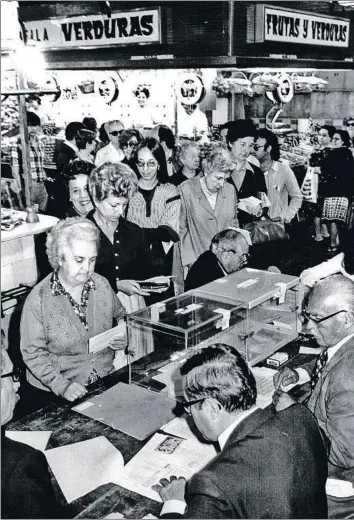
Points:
(138, 26)
(285, 25)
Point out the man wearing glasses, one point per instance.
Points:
(229, 252)
(282, 187)
(112, 152)
(329, 319)
(26, 489)
(266, 469)
(350, 128)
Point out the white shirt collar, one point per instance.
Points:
(224, 436)
(71, 145)
(332, 350)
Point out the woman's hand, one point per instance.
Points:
(131, 287)
(74, 391)
(118, 342)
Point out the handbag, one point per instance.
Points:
(309, 187)
(262, 231)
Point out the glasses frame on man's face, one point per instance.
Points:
(307, 316)
(350, 124)
(256, 146)
(15, 375)
(244, 257)
(186, 405)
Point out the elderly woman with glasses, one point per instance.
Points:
(112, 152)
(65, 310)
(208, 205)
(155, 206)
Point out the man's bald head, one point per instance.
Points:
(335, 293)
(231, 248)
(330, 310)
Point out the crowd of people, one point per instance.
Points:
(136, 207)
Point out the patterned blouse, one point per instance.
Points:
(79, 308)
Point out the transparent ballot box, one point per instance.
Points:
(272, 301)
(165, 333)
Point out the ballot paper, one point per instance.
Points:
(265, 387)
(101, 341)
(339, 488)
(37, 440)
(162, 457)
(83, 466)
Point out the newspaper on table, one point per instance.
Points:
(163, 456)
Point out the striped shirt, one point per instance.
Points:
(36, 153)
(165, 208)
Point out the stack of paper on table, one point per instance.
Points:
(83, 466)
(131, 409)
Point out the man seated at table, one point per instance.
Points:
(266, 468)
(229, 252)
(329, 317)
(26, 489)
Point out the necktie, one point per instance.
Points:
(318, 368)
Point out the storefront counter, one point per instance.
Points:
(18, 258)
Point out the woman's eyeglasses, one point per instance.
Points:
(115, 132)
(131, 144)
(350, 124)
(150, 165)
(16, 375)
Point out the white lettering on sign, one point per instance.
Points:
(282, 25)
(141, 26)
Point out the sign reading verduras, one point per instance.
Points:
(285, 25)
(128, 27)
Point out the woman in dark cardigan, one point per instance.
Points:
(122, 255)
(247, 178)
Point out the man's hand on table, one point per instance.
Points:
(74, 391)
(284, 377)
(173, 489)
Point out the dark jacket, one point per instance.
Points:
(63, 156)
(337, 173)
(252, 184)
(272, 466)
(26, 489)
(205, 269)
(127, 257)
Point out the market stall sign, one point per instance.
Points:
(285, 25)
(129, 27)
(191, 89)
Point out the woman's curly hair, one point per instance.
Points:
(65, 233)
(218, 160)
(112, 179)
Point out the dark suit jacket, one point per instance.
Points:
(26, 489)
(332, 402)
(253, 183)
(205, 270)
(272, 466)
